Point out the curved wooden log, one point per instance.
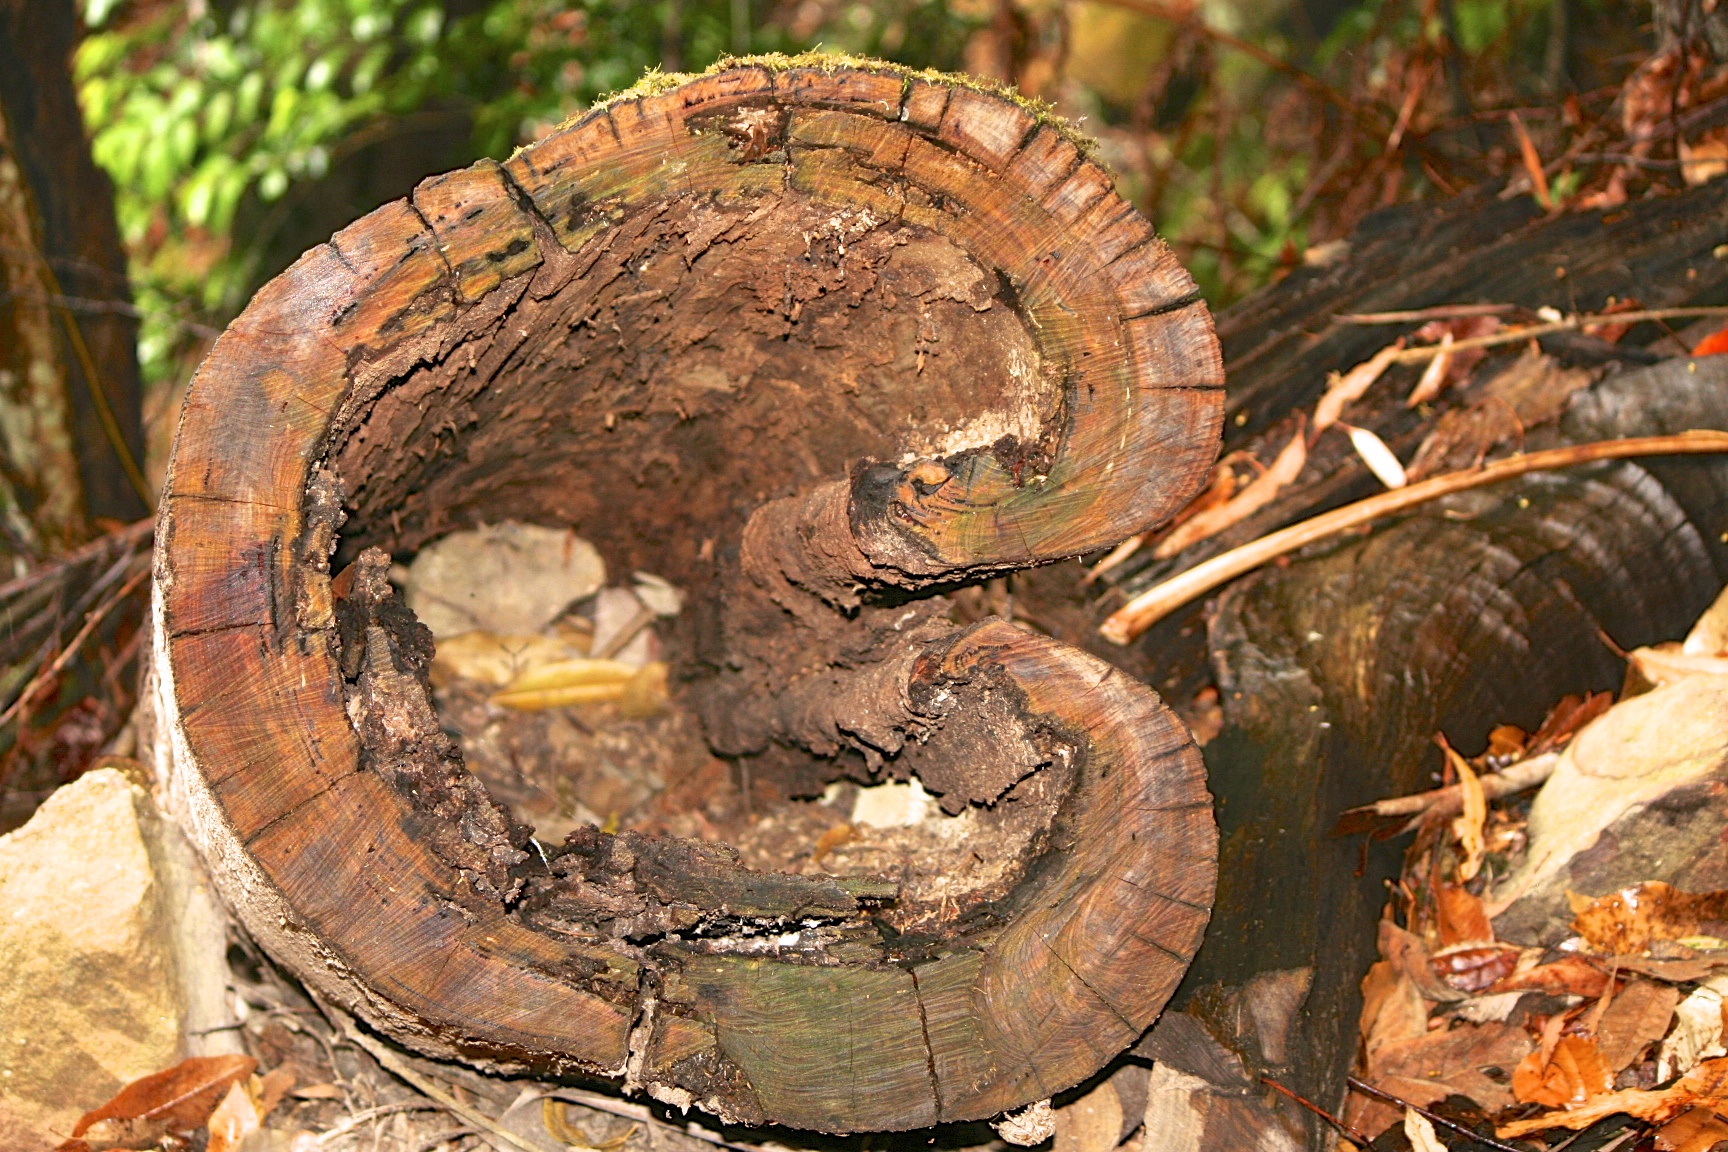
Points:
(676, 324)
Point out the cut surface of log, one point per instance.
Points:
(814, 340)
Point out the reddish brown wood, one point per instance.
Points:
(862, 331)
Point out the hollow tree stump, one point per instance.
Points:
(813, 341)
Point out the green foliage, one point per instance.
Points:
(207, 114)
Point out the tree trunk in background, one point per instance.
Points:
(59, 232)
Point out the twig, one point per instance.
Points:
(1514, 335)
(1431, 1117)
(1449, 801)
(470, 1116)
(1357, 1138)
(637, 1112)
(366, 1115)
(99, 614)
(1161, 599)
(1417, 315)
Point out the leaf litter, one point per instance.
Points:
(1619, 1021)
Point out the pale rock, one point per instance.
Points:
(111, 945)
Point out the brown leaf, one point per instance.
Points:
(274, 1087)
(1462, 437)
(1694, 1130)
(1566, 718)
(1536, 387)
(1393, 1011)
(1638, 1016)
(1574, 1074)
(1475, 969)
(1706, 1084)
(178, 1099)
(1567, 976)
(1459, 916)
(1471, 1060)
(235, 1117)
(1630, 920)
(1469, 824)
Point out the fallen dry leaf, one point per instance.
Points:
(1532, 165)
(582, 681)
(177, 1099)
(1258, 493)
(1712, 345)
(1566, 719)
(1636, 1019)
(646, 693)
(1574, 1074)
(1393, 1011)
(1697, 1033)
(1709, 634)
(490, 658)
(1661, 664)
(1468, 826)
(1630, 920)
(1536, 387)
(1475, 969)
(1459, 917)
(1420, 1132)
(507, 578)
(1567, 976)
(1702, 162)
(234, 1118)
(1694, 1130)
(1705, 1085)
(1613, 331)
(1377, 456)
(273, 1087)
(1434, 376)
(1473, 1060)
(1342, 391)
(1462, 438)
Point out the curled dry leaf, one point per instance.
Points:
(581, 681)
(235, 1117)
(491, 658)
(1709, 634)
(1630, 920)
(1460, 918)
(1475, 969)
(1697, 1033)
(1463, 437)
(1662, 664)
(1256, 495)
(1420, 1132)
(1377, 456)
(1574, 1074)
(1637, 1018)
(1342, 391)
(1434, 376)
(1694, 1130)
(1567, 976)
(1712, 345)
(1469, 824)
(178, 1099)
(1705, 1085)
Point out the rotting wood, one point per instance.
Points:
(811, 340)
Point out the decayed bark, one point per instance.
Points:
(68, 267)
(1336, 671)
(812, 341)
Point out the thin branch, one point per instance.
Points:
(1426, 352)
(96, 617)
(631, 1111)
(1418, 315)
(1161, 599)
(1431, 1117)
(1357, 1138)
(332, 1135)
(394, 1064)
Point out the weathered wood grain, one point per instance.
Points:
(910, 310)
